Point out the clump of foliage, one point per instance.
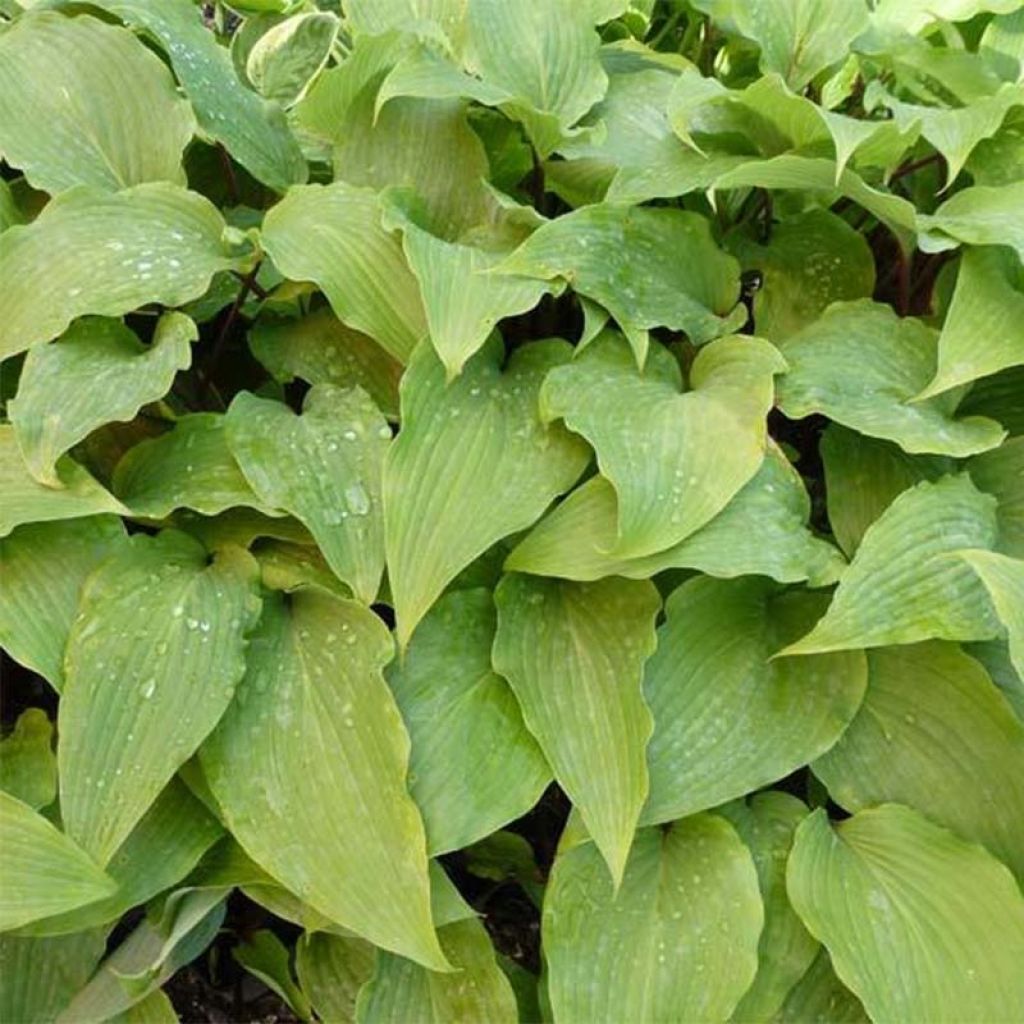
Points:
(513, 510)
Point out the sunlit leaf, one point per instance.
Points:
(288, 57)
(980, 215)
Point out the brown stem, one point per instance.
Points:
(916, 165)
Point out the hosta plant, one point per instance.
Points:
(512, 511)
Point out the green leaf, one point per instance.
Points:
(474, 765)
(860, 364)
(43, 567)
(28, 502)
(28, 767)
(980, 215)
(314, 675)
(675, 459)
(320, 349)
(332, 969)
(1003, 578)
(677, 940)
(473, 463)
(934, 733)
(324, 467)
(266, 957)
(762, 531)
(44, 872)
(1000, 473)
(85, 103)
(728, 718)
(998, 396)
(331, 234)
(152, 663)
(253, 130)
(96, 372)
(984, 328)
(286, 59)
(89, 252)
(886, 889)
(591, 721)
(902, 586)
(373, 17)
(648, 267)
(156, 1008)
(766, 823)
(821, 996)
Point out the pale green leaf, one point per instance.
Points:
(90, 252)
(980, 215)
(1003, 578)
(85, 103)
(920, 924)
(314, 715)
(332, 969)
(727, 717)
(473, 463)
(151, 664)
(28, 766)
(253, 130)
(288, 566)
(331, 234)
(373, 17)
(156, 1008)
(914, 15)
(474, 766)
(821, 996)
(676, 942)
(324, 467)
(44, 872)
(573, 654)
(902, 586)
(675, 459)
(860, 364)
(290, 55)
(934, 733)
(97, 372)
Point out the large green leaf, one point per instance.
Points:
(766, 823)
(332, 969)
(648, 267)
(676, 942)
(675, 459)
(859, 364)
(936, 734)
(85, 103)
(590, 719)
(981, 215)
(473, 463)
(28, 766)
(90, 252)
(920, 924)
(324, 467)
(902, 586)
(151, 664)
(820, 996)
(253, 130)
(43, 567)
(96, 372)
(331, 234)
(44, 871)
(762, 531)
(1003, 578)
(314, 715)
(474, 765)
(727, 717)
(376, 16)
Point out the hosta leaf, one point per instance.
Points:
(266, 957)
(191, 466)
(675, 459)
(920, 925)
(96, 372)
(151, 664)
(859, 364)
(980, 215)
(373, 17)
(288, 566)
(332, 969)
(473, 463)
(324, 467)
(902, 585)
(762, 531)
(727, 718)
(331, 234)
(648, 267)
(252, 130)
(677, 941)
(574, 654)
(320, 349)
(314, 715)
(28, 767)
(984, 328)
(27, 501)
(85, 103)
(289, 56)
(474, 766)
(1004, 580)
(1000, 473)
(43, 567)
(766, 823)
(44, 871)
(821, 996)
(935, 734)
(89, 252)
(998, 396)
